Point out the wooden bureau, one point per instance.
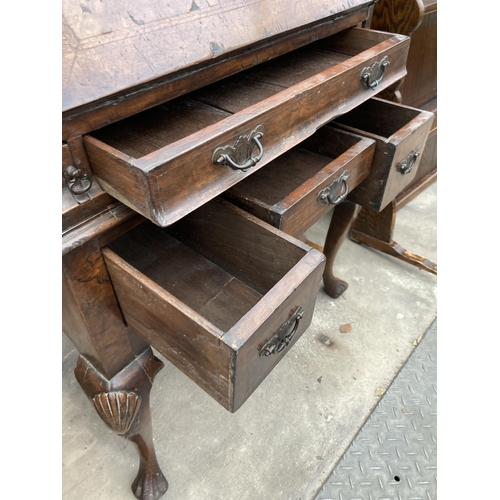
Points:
(199, 143)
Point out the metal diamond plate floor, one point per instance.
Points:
(394, 455)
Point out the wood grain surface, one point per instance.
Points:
(110, 47)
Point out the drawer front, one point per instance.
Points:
(214, 293)
(299, 187)
(400, 133)
(209, 140)
(287, 312)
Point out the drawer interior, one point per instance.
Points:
(208, 140)
(162, 126)
(219, 261)
(291, 170)
(379, 118)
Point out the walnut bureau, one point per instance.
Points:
(166, 112)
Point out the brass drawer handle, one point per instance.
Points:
(284, 335)
(372, 75)
(239, 156)
(406, 166)
(330, 195)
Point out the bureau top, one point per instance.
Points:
(114, 47)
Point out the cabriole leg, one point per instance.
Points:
(123, 404)
(342, 220)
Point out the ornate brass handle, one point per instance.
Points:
(284, 335)
(330, 195)
(372, 75)
(239, 156)
(406, 166)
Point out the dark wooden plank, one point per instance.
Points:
(352, 42)
(92, 318)
(156, 128)
(293, 68)
(251, 250)
(103, 226)
(236, 93)
(193, 279)
(394, 249)
(420, 83)
(378, 118)
(110, 47)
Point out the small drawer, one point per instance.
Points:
(296, 189)
(207, 141)
(400, 133)
(220, 293)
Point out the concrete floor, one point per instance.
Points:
(286, 439)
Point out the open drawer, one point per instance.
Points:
(296, 189)
(220, 294)
(171, 159)
(400, 133)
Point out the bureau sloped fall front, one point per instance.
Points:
(155, 253)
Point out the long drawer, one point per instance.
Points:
(220, 293)
(400, 134)
(208, 140)
(296, 189)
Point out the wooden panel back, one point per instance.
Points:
(182, 271)
(377, 118)
(420, 85)
(254, 252)
(156, 128)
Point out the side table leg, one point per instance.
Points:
(122, 402)
(376, 229)
(342, 220)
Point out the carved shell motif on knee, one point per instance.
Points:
(117, 409)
